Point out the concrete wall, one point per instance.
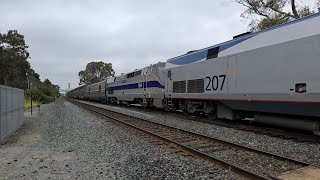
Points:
(11, 110)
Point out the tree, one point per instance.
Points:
(13, 60)
(14, 69)
(95, 72)
(47, 82)
(267, 13)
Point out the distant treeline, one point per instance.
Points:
(15, 70)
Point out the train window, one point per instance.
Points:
(138, 73)
(169, 74)
(301, 88)
(213, 52)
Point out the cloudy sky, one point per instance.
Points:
(64, 35)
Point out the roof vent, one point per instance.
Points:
(192, 51)
(240, 35)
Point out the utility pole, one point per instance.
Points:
(28, 81)
(31, 96)
(29, 87)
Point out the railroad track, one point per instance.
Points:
(249, 126)
(210, 149)
(282, 133)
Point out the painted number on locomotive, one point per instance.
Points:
(215, 83)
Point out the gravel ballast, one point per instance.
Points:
(66, 142)
(297, 150)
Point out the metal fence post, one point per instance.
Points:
(0, 114)
(6, 132)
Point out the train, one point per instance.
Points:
(270, 76)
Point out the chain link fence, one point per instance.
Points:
(11, 110)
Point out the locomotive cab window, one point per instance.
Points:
(130, 75)
(138, 73)
(213, 52)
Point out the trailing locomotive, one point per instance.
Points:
(143, 86)
(269, 76)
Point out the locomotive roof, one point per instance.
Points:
(202, 53)
(159, 63)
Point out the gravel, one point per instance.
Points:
(307, 152)
(267, 166)
(66, 142)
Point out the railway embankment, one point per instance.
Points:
(66, 142)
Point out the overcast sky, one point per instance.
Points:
(64, 35)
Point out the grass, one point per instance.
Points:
(27, 104)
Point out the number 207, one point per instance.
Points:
(215, 82)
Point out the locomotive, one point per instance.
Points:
(270, 76)
(143, 86)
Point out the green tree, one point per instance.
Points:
(95, 72)
(14, 69)
(267, 13)
(13, 60)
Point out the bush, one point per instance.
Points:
(41, 92)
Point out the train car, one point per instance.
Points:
(96, 91)
(271, 76)
(77, 93)
(143, 86)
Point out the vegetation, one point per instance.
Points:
(44, 92)
(95, 72)
(27, 104)
(15, 70)
(267, 13)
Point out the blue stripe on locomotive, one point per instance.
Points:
(136, 85)
(202, 54)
